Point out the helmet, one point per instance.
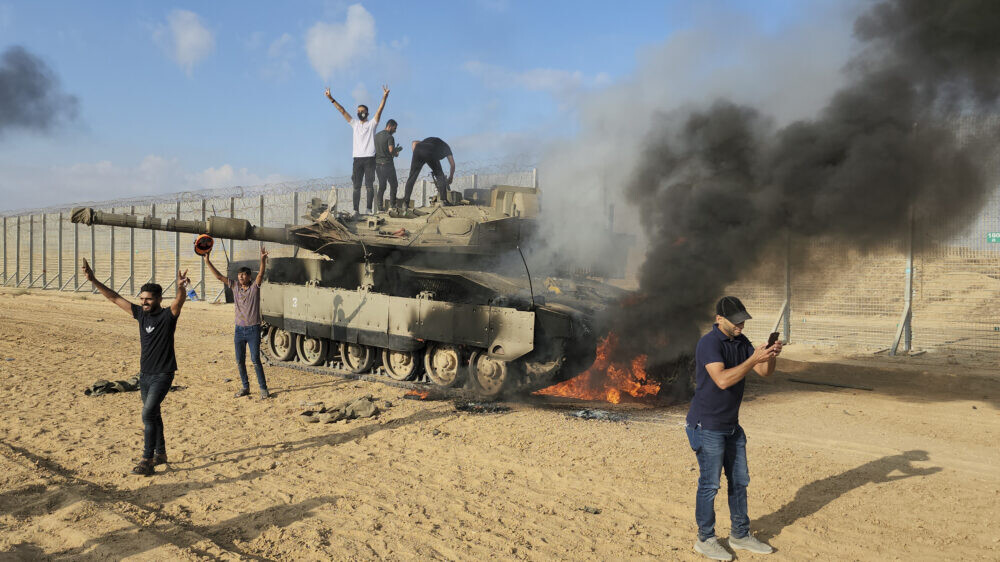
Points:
(203, 244)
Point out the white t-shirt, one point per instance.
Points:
(364, 137)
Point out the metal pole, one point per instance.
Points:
(111, 263)
(788, 290)
(59, 261)
(76, 256)
(295, 207)
(5, 250)
(423, 192)
(45, 253)
(232, 243)
(17, 253)
(31, 250)
(203, 217)
(93, 254)
(904, 330)
(152, 247)
(131, 256)
(534, 178)
(261, 244)
(177, 245)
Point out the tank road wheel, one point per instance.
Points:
(312, 351)
(401, 365)
(281, 344)
(491, 376)
(357, 358)
(444, 364)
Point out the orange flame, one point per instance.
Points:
(417, 394)
(606, 379)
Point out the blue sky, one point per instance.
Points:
(179, 96)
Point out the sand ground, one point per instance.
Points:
(908, 470)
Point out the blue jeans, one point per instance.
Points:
(249, 335)
(718, 451)
(153, 388)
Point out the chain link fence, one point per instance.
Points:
(907, 295)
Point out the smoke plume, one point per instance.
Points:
(714, 184)
(30, 95)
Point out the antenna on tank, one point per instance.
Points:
(530, 287)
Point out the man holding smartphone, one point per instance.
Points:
(723, 359)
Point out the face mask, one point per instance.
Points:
(362, 115)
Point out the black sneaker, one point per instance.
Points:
(144, 468)
(159, 458)
(242, 393)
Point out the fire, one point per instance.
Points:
(606, 379)
(417, 395)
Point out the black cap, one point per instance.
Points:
(732, 309)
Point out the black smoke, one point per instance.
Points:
(30, 94)
(716, 186)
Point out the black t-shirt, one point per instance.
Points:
(383, 139)
(432, 148)
(715, 408)
(156, 337)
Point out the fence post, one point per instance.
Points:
(31, 250)
(5, 250)
(93, 254)
(260, 244)
(904, 331)
(423, 192)
(131, 256)
(295, 207)
(111, 261)
(534, 178)
(788, 289)
(177, 246)
(232, 243)
(59, 260)
(152, 247)
(45, 253)
(204, 216)
(76, 257)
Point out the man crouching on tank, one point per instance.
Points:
(157, 363)
(246, 300)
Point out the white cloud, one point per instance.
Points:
(361, 96)
(185, 39)
(560, 83)
(337, 46)
(280, 54)
(226, 176)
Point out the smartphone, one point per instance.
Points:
(773, 338)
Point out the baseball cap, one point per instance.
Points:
(732, 309)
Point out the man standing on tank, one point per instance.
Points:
(246, 302)
(723, 359)
(364, 147)
(157, 361)
(430, 151)
(385, 150)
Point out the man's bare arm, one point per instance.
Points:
(222, 278)
(725, 378)
(263, 264)
(104, 290)
(451, 173)
(182, 284)
(339, 107)
(767, 369)
(381, 106)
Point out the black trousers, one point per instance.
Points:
(386, 174)
(364, 168)
(417, 164)
(153, 388)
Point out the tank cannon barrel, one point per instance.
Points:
(217, 227)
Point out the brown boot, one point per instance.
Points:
(160, 458)
(145, 468)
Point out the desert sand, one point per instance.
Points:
(907, 470)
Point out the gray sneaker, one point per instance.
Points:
(750, 543)
(711, 548)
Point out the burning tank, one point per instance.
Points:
(439, 294)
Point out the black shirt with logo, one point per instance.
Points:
(156, 337)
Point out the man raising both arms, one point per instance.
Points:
(157, 362)
(246, 301)
(364, 147)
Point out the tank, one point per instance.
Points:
(439, 295)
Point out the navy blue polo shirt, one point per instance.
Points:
(715, 408)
